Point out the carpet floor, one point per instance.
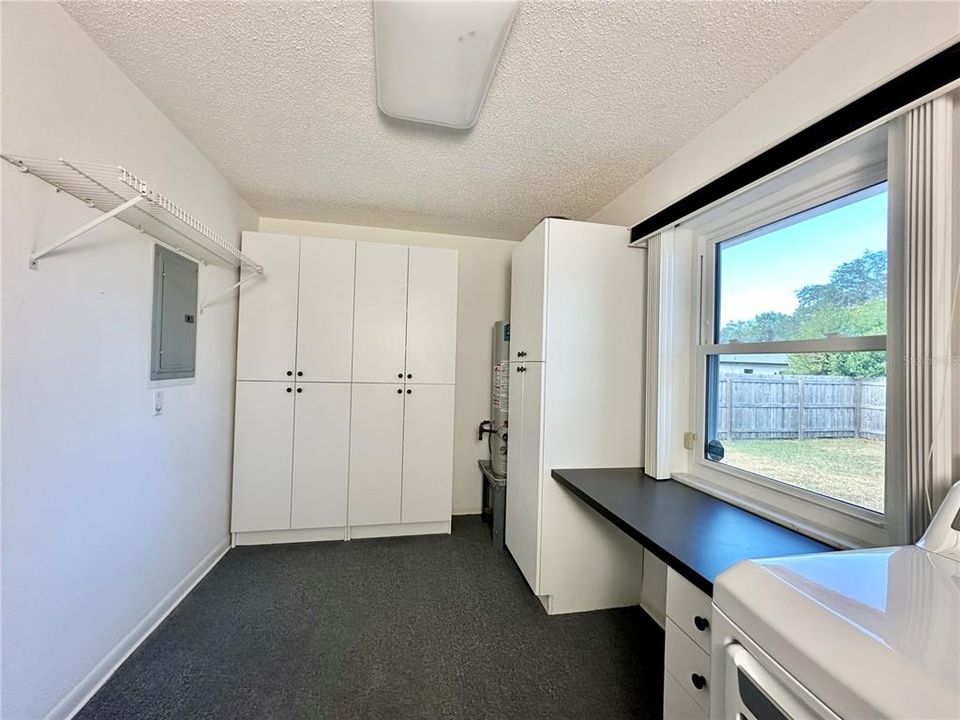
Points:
(421, 627)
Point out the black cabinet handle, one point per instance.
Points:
(399, 391)
(409, 391)
(522, 353)
(289, 389)
(299, 390)
(409, 375)
(701, 622)
(299, 373)
(289, 373)
(699, 681)
(400, 375)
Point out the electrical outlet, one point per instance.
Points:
(158, 402)
(689, 440)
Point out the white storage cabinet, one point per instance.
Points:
(346, 369)
(575, 401)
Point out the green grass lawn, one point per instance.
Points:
(849, 469)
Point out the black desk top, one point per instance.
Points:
(696, 534)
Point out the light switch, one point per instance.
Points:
(158, 402)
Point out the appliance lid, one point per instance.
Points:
(872, 633)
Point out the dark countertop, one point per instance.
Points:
(696, 534)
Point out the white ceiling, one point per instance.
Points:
(588, 97)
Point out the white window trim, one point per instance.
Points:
(858, 165)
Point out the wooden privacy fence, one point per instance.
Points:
(800, 407)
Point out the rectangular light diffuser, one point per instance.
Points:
(436, 58)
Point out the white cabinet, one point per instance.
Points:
(376, 453)
(263, 456)
(401, 454)
(686, 649)
(345, 394)
(527, 297)
(432, 316)
(524, 461)
(324, 320)
(380, 313)
(267, 340)
(295, 321)
(405, 318)
(427, 483)
(575, 401)
(291, 456)
(321, 455)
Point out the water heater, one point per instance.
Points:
(499, 397)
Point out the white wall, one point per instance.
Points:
(484, 299)
(106, 509)
(875, 44)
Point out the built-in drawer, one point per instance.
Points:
(688, 664)
(677, 704)
(689, 608)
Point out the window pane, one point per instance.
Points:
(821, 272)
(813, 420)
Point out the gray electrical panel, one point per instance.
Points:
(174, 347)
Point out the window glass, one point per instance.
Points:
(813, 420)
(819, 273)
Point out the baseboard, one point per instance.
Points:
(71, 704)
(467, 511)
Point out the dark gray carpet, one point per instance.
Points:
(426, 627)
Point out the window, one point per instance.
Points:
(174, 346)
(794, 352)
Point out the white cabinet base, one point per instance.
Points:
(359, 532)
(274, 537)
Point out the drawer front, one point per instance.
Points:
(677, 705)
(689, 608)
(688, 664)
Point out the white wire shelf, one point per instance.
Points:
(121, 194)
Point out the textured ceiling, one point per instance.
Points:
(588, 97)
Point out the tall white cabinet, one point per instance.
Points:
(345, 387)
(576, 366)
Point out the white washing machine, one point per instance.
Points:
(855, 635)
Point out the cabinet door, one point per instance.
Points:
(534, 291)
(432, 315)
(427, 453)
(376, 453)
(523, 469)
(518, 311)
(380, 313)
(527, 287)
(267, 339)
(325, 315)
(263, 453)
(321, 455)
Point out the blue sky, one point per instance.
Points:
(763, 273)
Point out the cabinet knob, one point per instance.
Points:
(522, 353)
(299, 373)
(299, 390)
(409, 391)
(409, 376)
(289, 389)
(289, 373)
(701, 622)
(399, 391)
(400, 375)
(699, 681)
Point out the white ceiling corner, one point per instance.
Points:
(589, 96)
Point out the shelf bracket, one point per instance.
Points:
(258, 272)
(35, 257)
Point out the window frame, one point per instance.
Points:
(849, 170)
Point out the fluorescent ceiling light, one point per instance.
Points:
(436, 58)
